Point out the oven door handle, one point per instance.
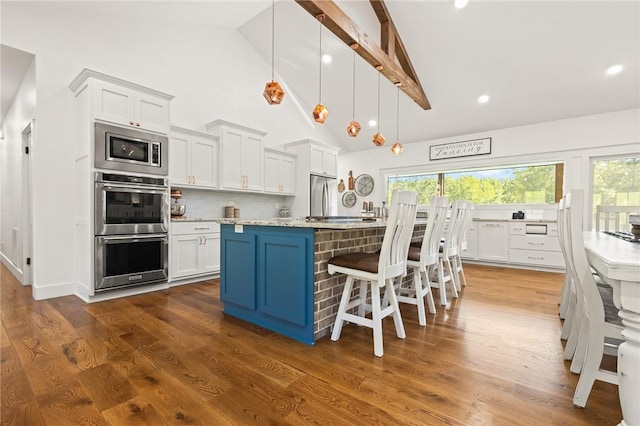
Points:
(134, 238)
(152, 189)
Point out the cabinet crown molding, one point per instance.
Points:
(89, 73)
(214, 125)
(312, 142)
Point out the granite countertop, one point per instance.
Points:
(475, 219)
(194, 219)
(302, 223)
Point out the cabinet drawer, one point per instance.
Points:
(534, 257)
(534, 242)
(517, 228)
(184, 228)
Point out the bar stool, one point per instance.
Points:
(422, 257)
(378, 271)
(444, 271)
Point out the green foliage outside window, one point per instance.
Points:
(509, 185)
(616, 182)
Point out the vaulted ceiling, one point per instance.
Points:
(538, 61)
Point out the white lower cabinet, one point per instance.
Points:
(493, 244)
(194, 249)
(535, 249)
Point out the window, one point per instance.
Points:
(616, 182)
(529, 184)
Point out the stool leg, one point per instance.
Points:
(397, 318)
(428, 292)
(346, 294)
(420, 292)
(441, 284)
(377, 319)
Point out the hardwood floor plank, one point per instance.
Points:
(494, 357)
(136, 411)
(106, 386)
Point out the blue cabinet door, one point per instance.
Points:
(282, 286)
(238, 268)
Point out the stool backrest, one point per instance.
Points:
(614, 218)
(457, 217)
(433, 232)
(397, 236)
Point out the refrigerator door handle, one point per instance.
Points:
(325, 198)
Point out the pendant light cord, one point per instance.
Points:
(354, 84)
(320, 62)
(378, 102)
(398, 114)
(273, 30)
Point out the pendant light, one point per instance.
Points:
(378, 139)
(397, 147)
(273, 93)
(320, 112)
(354, 127)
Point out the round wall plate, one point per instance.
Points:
(349, 199)
(364, 185)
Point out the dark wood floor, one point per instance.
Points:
(172, 357)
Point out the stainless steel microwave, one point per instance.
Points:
(130, 150)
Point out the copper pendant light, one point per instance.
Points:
(320, 112)
(354, 127)
(397, 147)
(378, 139)
(273, 93)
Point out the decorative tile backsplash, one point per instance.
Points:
(202, 203)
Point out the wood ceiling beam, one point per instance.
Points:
(392, 49)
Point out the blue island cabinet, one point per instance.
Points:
(267, 277)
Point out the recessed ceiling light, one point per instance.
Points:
(615, 69)
(372, 123)
(326, 58)
(460, 3)
(483, 99)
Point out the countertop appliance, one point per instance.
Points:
(323, 196)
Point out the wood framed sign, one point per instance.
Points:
(460, 149)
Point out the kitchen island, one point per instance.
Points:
(273, 272)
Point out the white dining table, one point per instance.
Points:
(618, 262)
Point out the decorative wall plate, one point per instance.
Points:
(364, 185)
(349, 199)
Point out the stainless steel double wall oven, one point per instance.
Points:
(131, 211)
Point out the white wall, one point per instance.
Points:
(213, 74)
(12, 218)
(572, 141)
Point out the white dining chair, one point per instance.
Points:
(567, 305)
(601, 328)
(422, 257)
(469, 207)
(377, 271)
(444, 271)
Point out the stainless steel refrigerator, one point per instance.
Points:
(324, 196)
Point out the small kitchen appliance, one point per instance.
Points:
(177, 210)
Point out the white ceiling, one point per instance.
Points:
(538, 60)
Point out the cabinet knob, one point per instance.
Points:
(131, 123)
(138, 124)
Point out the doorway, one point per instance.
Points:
(27, 217)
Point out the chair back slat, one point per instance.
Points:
(397, 236)
(452, 236)
(578, 262)
(436, 219)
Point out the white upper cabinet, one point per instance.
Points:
(323, 160)
(128, 104)
(193, 158)
(241, 157)
(279, 172)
